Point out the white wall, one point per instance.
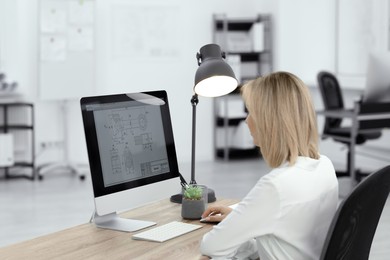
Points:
(304, 43)
(9, 32)
(362, 28)
(176, 74)
(20, 63)
(305, 37)
(124, 74)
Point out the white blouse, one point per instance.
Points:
(285, 216)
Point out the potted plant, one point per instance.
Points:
(194, 201)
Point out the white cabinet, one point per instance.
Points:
(11, 129)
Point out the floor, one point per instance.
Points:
(33, 208)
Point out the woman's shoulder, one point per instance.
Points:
(304, 167)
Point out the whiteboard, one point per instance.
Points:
(144, 31)
(66, 49)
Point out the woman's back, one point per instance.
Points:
(308, 194)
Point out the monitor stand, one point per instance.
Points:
(113, 221)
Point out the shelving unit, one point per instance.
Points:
(8, 127)
(247, 43)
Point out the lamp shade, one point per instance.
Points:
(214, 76)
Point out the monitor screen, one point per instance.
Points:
(131, 141)
(130, 145)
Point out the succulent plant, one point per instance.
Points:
(193, 192)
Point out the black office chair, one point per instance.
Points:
(333, 100)
(353, 227)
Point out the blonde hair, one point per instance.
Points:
(283, 113)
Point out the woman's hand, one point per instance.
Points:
(215, 213)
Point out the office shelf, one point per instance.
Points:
(238, 154)
(15, 127)
(248, 56)
(8, 127)
(249, 52)
(223, 121)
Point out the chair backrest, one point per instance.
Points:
(331, 97)
(353, 227)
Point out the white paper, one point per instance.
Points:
(81, 12)
(53, 48)
(80, 38)
(53, 16)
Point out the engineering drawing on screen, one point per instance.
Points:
(131, 142)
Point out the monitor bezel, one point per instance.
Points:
(93, 149)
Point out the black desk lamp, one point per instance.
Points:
(213, 78)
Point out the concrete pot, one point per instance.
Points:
(192, 209)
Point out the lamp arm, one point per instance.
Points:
(194, 103)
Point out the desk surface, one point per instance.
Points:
(89, 242)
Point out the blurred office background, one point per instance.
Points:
(117, 46)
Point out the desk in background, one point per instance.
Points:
(365, 117)
(89, 242)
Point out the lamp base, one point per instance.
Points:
(177, 198)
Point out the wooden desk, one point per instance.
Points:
(89, 242)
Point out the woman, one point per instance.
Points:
(287, 213)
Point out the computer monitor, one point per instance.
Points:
(378, 78)
(131, 153)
